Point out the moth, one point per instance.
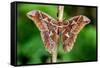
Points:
(50, 29)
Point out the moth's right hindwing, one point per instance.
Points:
(45, 24)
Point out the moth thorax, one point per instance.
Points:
(59, 23)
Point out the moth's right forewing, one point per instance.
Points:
(35, 16)
(46, 25)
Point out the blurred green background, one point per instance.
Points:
(30, 48)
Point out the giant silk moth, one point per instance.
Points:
(50, 29)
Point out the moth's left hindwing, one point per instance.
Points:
(45, 24)
(70, 32)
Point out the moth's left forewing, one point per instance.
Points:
(79, 23)
(70, 32)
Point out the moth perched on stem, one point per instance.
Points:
(50, 29)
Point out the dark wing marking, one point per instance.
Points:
(70, 32)
(46, 25)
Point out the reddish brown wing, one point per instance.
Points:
(70, 32)
(46, 25)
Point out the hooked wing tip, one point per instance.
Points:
(85, 19)
(31, 13)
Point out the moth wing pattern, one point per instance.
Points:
(46, 25)
(70, 32)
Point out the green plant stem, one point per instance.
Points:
(54, 56)
(60, 19)
(60, 13)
